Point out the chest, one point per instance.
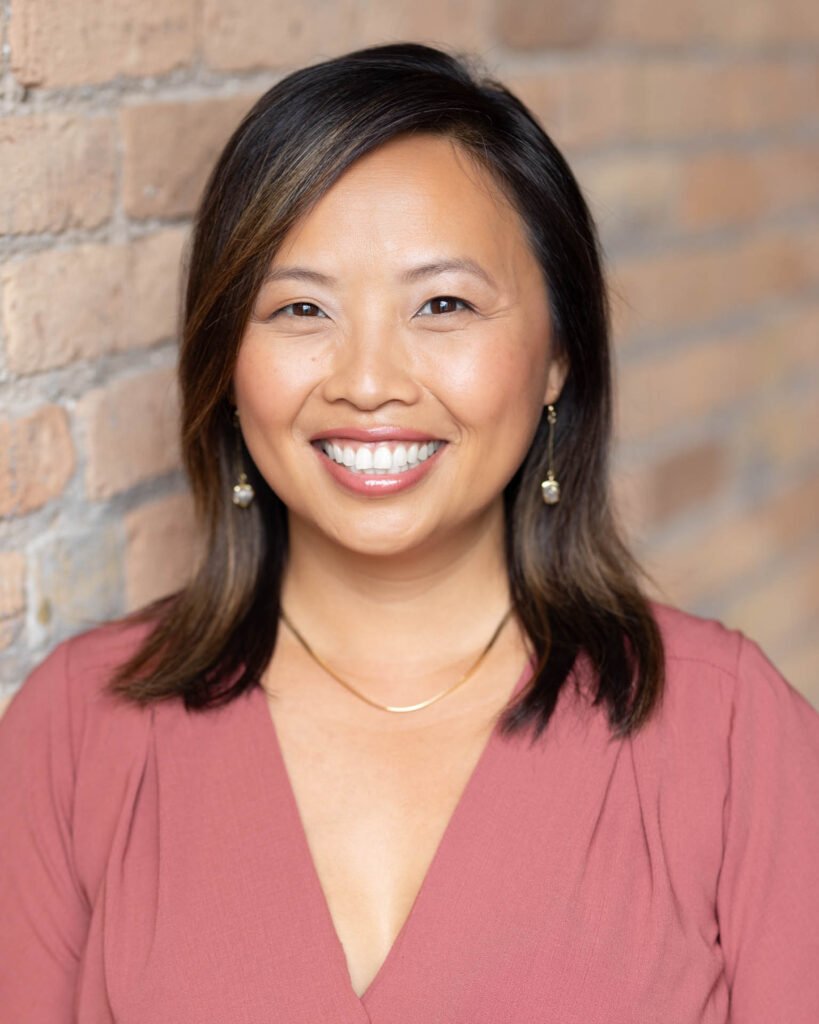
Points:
(373, 808)
(554, 892)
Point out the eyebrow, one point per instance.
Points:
(407, 277)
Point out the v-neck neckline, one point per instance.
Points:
(319, 905)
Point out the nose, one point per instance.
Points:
(369, 366)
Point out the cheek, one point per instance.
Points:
(269, 395)
(268, 385)
(501, 387)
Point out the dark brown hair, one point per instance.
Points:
(572, 579)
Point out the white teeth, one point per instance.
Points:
(380, 459)
(363, 458)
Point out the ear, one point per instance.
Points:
(556, 378)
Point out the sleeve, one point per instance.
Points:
(44, 915)
(768, 888)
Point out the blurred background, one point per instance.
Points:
(693, 128)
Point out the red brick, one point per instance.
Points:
(720, 188)
(726, 187)
(640, 193)
(683, 97)
(797, 343)
(245, 34)
(527, 26)
(771, 93)
(684, 385)
(761, 21)
(12, 583)
(152, 298)
(36, 459)
(590, 102)
(597, 105)
(679, 98)
(75, 42)
(77, 576)
(799, 663)
(781, 433)
(10, 630)
(56, 172)
(62, 304)
(582, 104)
(740, 544)
(161, 548)
(465, 25)
(694, 381)
(701, 284)
(162, 178)
(544, 93)
(66, 304)
(130, 430)
(632, 194)
(779, 606)
(789, 177)
(654, 494)
(641, 21)
(680, 21)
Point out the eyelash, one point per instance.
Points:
(436, 298)
(449, 298)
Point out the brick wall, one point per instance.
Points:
(694, 129)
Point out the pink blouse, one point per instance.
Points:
(154, 868)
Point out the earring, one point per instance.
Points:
(243, 493)
(550, 488)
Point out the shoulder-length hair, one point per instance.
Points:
(574, 583)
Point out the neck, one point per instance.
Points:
(400, 616)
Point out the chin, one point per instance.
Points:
(378, 544)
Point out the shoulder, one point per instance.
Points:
(66, 691)
(92, 657)
(727, 725)
(70, 750)
(718, 679)
(692, 640)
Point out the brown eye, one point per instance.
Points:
(445, 304)
(300, 309)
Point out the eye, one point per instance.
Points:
(448, 301)
(300, 310)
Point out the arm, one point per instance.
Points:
(768, 890)
(43, 912)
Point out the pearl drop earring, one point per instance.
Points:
(243, 492)
(550, 488)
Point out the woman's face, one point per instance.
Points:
(364, 324)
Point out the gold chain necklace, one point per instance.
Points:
(387, 707)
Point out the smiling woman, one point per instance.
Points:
(469, 370)
(413, 745)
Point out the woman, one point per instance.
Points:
(412, 745)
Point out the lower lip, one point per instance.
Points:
(377, 483)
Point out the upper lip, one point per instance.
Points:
(374, 434)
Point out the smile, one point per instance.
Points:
(378, 469)
(381, 458)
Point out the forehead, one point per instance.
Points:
(413, 192)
